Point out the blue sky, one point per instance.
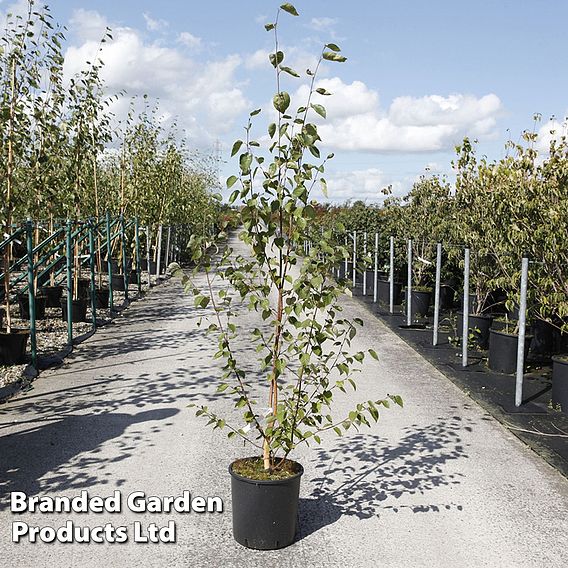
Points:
(419, 76)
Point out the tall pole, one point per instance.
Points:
(168, 247)
(522, 331)
(365, 263)
(69, 253)
(137, 242)
(158, 267)
(92, 267)
(465, 326)
(109, 262)
(391, 276)
(148, 255)
(354, 258)
(437, 293)
(409, 284)
(376, 275)
(31, 291)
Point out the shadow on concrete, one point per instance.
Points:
(363, 477)
(65, 450)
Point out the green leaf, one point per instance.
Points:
(289, 71)
(271, 129)
(245, 162)
(231, 181)
(323, 187)
(332, 56)
(269, 27)
(319, 109)
(236, 147)
(276, 58)
(322, 91)
(373, 354)
(281, 101)
(255, 112)
(333, 47)
(290, 9)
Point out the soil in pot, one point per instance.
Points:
(503, 351)
(13, 347)
(79, 312)
(52, 295)
(478, 328)
(24, 304)
(265, 511)
(560, 382)
(383, 289)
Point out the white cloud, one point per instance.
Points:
(88, 25)
(189, 40)
(153, 25)
(357, 184)
(552, 130)
(258, 59)
(356, 120)
(323, 24)
(204, 95)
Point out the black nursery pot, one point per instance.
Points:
(383, 288)
(118, 282)
(102, 296)
(478, 326)
(79, 313)
(52, 295)
(420, 303)
(560, 382)
(24, 304)
(265, 513)
(503, 351)
(447, 294)
(13, 347)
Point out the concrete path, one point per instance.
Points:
(437, 484)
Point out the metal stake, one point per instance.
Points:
(158, 263)
(137, 252)
(409, 284)
(31, 291)
(522, 330)
(109, 263)
(437, 293)
(354, 258)
(376, 275)
(69, 252)
(465, 326)
(391, 277)
(365, 264)
(92, 267)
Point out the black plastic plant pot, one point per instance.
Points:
(102, 296)
(560, 382)
(265, 513)
(369, 289)
(383, 289)
(503, 351)
(24, 304)
(52, 295)
(144, 264)
(1, 317)
(478, 326)
(118, 282)
(153, 267)
(133, 277)
(543, 341)
(84, 287)
(13, 347)
(79, 312)
(447, 294)
(420, 303)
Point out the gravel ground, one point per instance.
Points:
(52, 331)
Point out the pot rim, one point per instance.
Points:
(498, 332)
(481, 316)
(561, 358)
(18, 331)
(265, 481)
